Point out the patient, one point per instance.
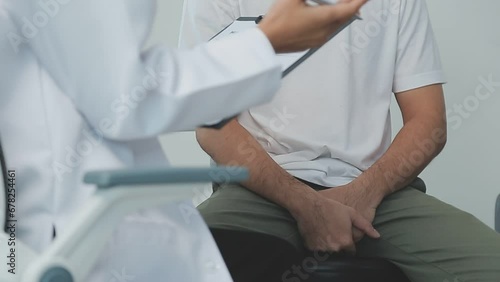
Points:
(321, 153)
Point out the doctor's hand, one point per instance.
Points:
(327, 225)
(293, 25)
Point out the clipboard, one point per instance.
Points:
(290, 61)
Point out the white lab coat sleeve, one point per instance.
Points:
(89, 48)
(203, 19)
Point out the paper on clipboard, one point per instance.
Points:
(289, 61)
(242, 24)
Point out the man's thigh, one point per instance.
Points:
(234, 207)
(249, 232)
(433, 241)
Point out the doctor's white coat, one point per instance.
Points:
(78, 93)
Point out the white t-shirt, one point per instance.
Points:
(331, 119)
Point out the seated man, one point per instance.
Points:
(326, 139)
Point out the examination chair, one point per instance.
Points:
(290, 266)
(345, 269)
(72, 255)
(352, 269)
(336, 268)
(341, 268)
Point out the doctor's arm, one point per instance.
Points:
(95, 53)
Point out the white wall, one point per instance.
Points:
(466, 173)
(469, 37)
(181, 148)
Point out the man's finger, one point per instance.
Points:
(357, 234)
(364, 225)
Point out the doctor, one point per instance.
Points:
(79, 92)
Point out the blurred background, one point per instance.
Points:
(467, 173)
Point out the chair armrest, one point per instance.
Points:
(121, 192)
(497, 215)
(126, 177)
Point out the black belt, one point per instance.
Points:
(417, 184)
(315, 186)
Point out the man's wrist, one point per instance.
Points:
(300, 198)
(373, 193)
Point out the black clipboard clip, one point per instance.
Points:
(259, 19)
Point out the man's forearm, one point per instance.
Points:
(324, 224)
(235, 146)
(416, 145)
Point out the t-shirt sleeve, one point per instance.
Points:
(418, 62)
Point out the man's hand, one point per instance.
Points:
(361, 198)
(424, 119)
(327, 225)
(292, 25)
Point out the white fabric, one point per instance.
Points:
(331, 120)
(79, 93)
(160, 248)
(287, 60)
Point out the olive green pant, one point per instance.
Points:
(430, 241)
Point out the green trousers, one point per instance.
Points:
(429, 240)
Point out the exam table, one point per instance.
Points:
(73, 254)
